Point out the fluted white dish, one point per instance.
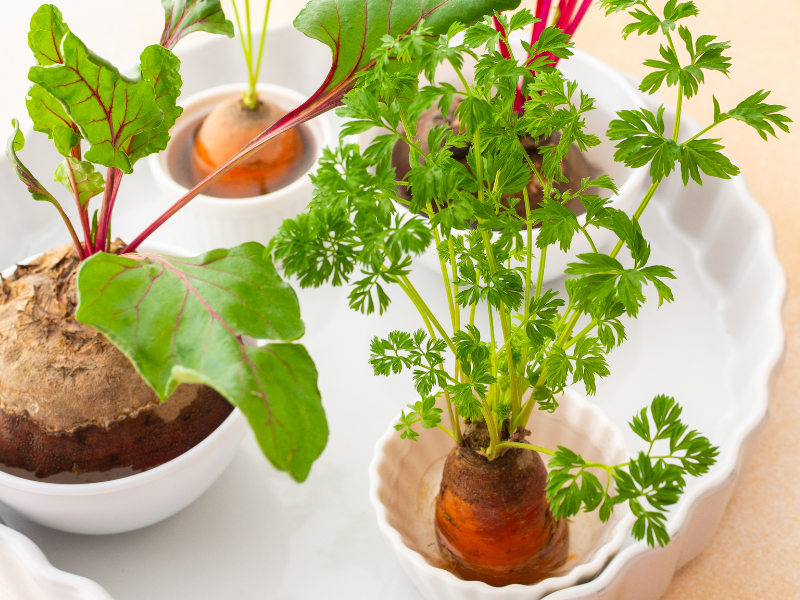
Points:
(131, 502)
(404, 480)
(26, 574)
(321, 539)
(208, 222)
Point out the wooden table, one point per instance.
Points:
(756, 551)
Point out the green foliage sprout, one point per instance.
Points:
(253, 60)
(539, 341)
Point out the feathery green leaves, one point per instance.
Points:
(650, 483)
(470, 186)
(756, 113)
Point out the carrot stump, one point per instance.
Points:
(492, 519)
(230, 127)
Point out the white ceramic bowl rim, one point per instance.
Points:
(602, 555)
(131, 481)
(319, 128)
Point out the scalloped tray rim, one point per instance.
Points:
(722, 478)
(40, 567)
(715, 485)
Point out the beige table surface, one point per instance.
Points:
(756, 551)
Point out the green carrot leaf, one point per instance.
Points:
(641, 141)
(482, 34)
(674, 12)
(704, 155)
(757, 114)
(184, 320)
(570, 485)
(644, 23)
(406, 426)
(428, 413)
(391, 355)
(521, 19)
(615, 6)
(559, 224)
(668, 69)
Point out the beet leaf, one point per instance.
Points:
(185, 16)
(108, 108)
(354, 34)
(16, 142)
(160, 68)
(182, 320)
(50, 117)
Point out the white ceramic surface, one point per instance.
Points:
(130, 502)
(405, 478)
(612, 92)
(25, 574)
(257, 534)
(208, 222)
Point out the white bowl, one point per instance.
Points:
(25, 574)
(206, 222)
(134, 501)
(612, 92)
(405, 478)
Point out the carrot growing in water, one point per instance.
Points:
(237, 121)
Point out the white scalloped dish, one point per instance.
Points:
(25, 574)
(715, 349)
(405, 479)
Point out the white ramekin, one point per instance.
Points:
(404, 474)
(612, 93)
(206, 222)
(135, 501)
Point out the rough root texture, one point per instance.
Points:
(68, 397)
(493, 521)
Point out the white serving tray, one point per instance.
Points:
(257, 534)
(25, 574)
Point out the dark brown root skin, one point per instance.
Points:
(225, 131)
(574, 166)
(69, 400)
(493, 521)
(140, 442)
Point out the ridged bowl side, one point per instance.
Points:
(404, 476)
